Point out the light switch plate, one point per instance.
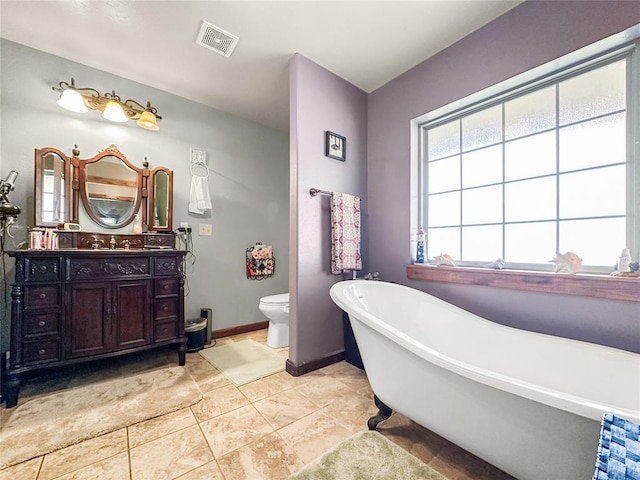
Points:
(204, 229)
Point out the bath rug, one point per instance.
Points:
(367, 455)
(244, 361)
(51, 422)
(618, 449)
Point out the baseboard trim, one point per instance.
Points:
(297, 370)
(252, 327)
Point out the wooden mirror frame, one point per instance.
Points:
(152, 200)
(39, 160)
(142, 175)
(75, 189)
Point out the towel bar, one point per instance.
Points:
(315, 191)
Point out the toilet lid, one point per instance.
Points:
(279, 299)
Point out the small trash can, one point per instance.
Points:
(196, 332)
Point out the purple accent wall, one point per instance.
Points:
(527, 36)
(320, 101)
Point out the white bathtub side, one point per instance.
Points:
(526, 439)
(558, 372)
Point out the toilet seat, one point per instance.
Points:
(278, 300)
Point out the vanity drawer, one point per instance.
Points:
(42, 323)
(42, 269)
(41, 296)
(167, 286)
(41, 352)
(167, 265)
(166, 308)
(164, 331)
(108, 266)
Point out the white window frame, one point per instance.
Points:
(625, 44)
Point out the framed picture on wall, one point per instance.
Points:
(335, 146)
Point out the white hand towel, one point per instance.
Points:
(199, 197)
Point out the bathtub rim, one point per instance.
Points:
(564, 401)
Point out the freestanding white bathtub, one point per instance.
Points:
(528, 403)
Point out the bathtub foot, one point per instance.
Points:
(384, 412)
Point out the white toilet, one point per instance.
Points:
(276, 309)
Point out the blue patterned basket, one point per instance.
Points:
(618, 450)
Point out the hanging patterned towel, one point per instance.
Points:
(345, 233)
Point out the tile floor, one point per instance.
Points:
(266, 429)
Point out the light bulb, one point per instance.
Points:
(148, 121)
(72, 100)
(114, 112)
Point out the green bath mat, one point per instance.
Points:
(244, 361)
(367, 455)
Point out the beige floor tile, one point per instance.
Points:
(234, 429)
(417, 440)
(208, 471)
(323, 389)
(113, 468)
(82, 454)
(315, 434)
(353, 409)
(268, 458)
(458, 464)
(170, 456)
(217, 402)
(24, 471)
(285, 407)
(268, 386)
(204, 374)
(157, 427)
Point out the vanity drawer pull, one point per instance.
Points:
(167, 286)
(41, 323)
(166, 308)
(165, 331)
(41, 296)
(41, 352)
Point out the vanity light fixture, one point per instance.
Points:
(111, 105)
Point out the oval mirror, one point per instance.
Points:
(160, 203)
(52, 195)
(110, 190)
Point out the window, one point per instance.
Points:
(547, 166)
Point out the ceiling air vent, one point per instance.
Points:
(217, 39)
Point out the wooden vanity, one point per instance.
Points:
(101, 290)
(71, 306)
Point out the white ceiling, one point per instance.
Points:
(367, 43)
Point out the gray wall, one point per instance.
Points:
(320, 101)
(248, 181)
(527, 36)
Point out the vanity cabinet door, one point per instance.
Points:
(88, 319)
(132, 316)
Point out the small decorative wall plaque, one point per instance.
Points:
(260, 262)
(335, 146)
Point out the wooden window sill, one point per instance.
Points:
(620, 288)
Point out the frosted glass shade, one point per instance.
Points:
(72, 100)
(148, 120)
(114, 112)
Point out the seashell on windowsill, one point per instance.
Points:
(444, 259)
(566, 262)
